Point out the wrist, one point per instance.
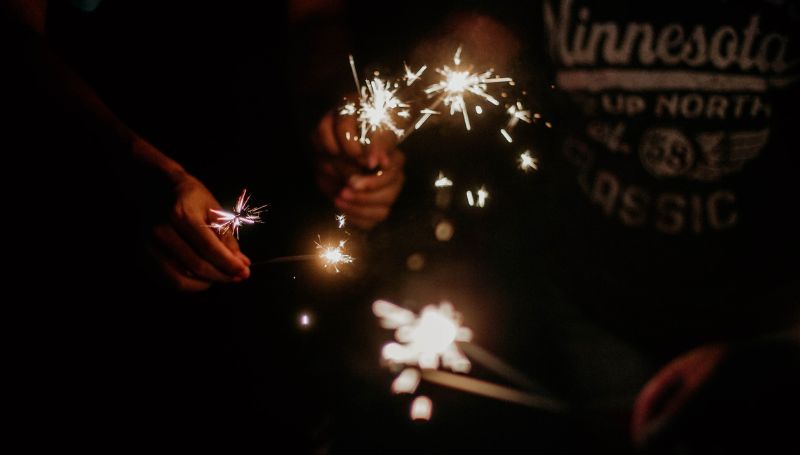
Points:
(149, 156)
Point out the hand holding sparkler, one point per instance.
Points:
(189, 255)
(365, 198)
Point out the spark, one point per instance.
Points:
(406, 382)
(425, 341)
(426, 113)
(482, 196)
(515, 112)
(411, 76)
(242, 215)
(421, 408)
(333, 256)
(376, 107)
(442, 181)
(456, 83)
(527, 162)
(341, 220)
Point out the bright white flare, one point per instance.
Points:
(242, 215)
(333, 256)
(421, 408)
(341, 220)
(527, 162)
(407, 381)
(425, 341)
(410, 76)
(377, 106)
(456, 83)
(442, 181)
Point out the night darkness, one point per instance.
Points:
(644, 275)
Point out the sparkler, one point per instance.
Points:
(456, 83)
(334, 256)
(242, 215)
(427, 340)
(527, 162)
(341, 220)
(435, 338)
(378, 104)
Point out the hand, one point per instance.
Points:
(670, 390)
(365, 198)
(188, 253)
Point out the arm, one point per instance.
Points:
(188, 253)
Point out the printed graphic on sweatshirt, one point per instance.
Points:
(684, 104)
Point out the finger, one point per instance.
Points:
(362, 223)
(378, 150)
(365, 183)
(180, 251)
(172, 273)
(669, 390)
(382, 196)
(233, 245)
(371, 212)
(346, 128)
(326, 135)
(206, 242)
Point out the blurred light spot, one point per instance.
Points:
(444, 231)
(305, 320)
(478, 110)
(407, 381)
(415, 262)
(421, 408)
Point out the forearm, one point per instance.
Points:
(70, 95)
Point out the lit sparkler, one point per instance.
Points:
(242, 215)
(426, 341)
(456, 83)
(528, 162)
(435, 338)
(334, 256)
(442, 181)
(377, 105)
(341, 220)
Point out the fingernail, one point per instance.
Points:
(244, 258)
(244, 274)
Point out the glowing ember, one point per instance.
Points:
(242, 215)
(406, 382)
(527, 162)
(341, 220)
(480, 201)
(442, 181)
(428, 340)
(421, 408)
(411, 76)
